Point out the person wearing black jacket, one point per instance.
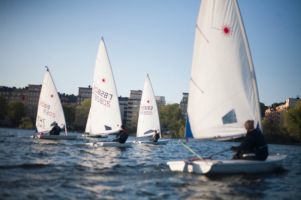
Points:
(254, 146)
(55, 129)
(155, 137)
(122, 136)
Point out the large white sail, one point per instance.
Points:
(148, 120)
(104, 115)
(49, 108)
(88, 124)
(223, 91)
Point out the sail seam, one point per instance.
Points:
(198, 28)
(194, 83)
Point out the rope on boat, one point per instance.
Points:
(224, 150)
(200, 157)
(190, 150)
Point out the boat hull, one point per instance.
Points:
(159, 142)
(96, 136)
(108, 144)
(273, 163)
(56, 137)
(102, 135)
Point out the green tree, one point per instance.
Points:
(275, 132)
(171, 119)
(263, 107)
(271, 130)
(274, 105)
(26, 123)
(3, 108)
(69, 111)
(16, 110)
(181, 132)
(81, 114)
(292, 121)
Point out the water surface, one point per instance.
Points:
(41, 169)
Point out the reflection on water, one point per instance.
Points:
(41, 169)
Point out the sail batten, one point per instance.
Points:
(223, 91)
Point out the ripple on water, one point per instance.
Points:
(37, 169)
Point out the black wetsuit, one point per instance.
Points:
(255, 144)
(121, 137)
(55, 130)
(156, 137)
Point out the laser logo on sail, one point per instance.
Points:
(226, 30)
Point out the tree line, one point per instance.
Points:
(13, 114)
(288, 131)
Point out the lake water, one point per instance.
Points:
(37, 169)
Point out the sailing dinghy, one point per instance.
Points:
(223, 90)
(104, 116)
(50, 110)
(148, 120)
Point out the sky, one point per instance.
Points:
(141, 36)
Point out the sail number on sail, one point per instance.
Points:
(146, 110)
(102, 97)
(46, 109)
(40, 122)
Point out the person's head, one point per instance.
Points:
(54, 123)
(249, 125)
(122, 126)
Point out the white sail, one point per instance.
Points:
(49, 108)
(223, 91)
(148, 120)
(88, 124)
(105, 117)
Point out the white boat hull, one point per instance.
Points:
(108, 144)
(56, 137)
(272, 163)
(159, 142)
(102, 135)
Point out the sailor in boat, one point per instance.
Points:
(122, 136)
(155, 137)
(55, 129)
(254, 146)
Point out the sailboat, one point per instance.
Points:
(223, 91)
(104, 116)
(50, 110)
(148, 120)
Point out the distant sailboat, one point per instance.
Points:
(50, 110)
(148, 120)
(223, 90)
(104, 115)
